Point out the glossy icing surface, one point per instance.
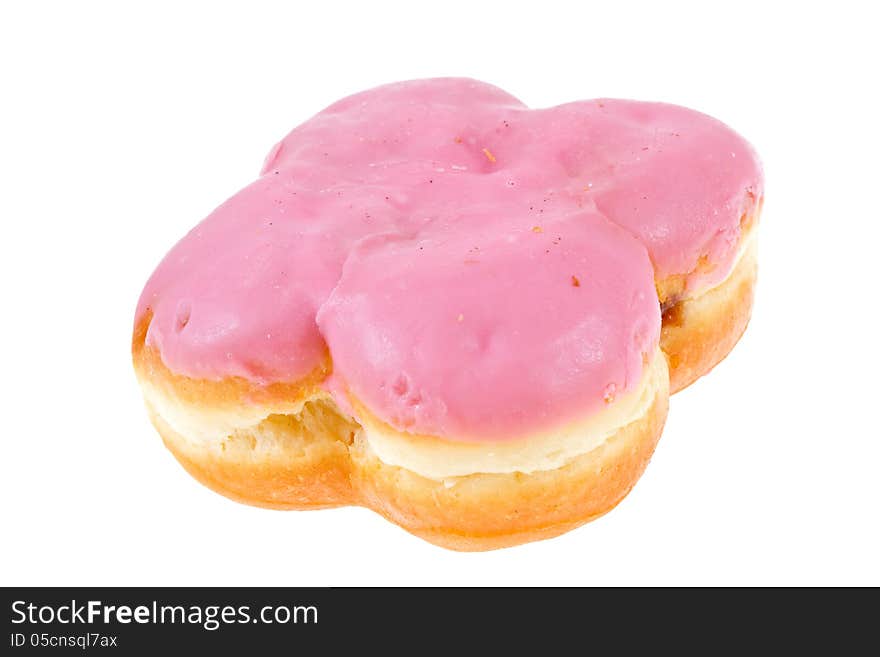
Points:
(476, 269)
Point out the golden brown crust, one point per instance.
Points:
(285, 469)
(490, 511)
(285, 462)
(699, 332)
(325, 467)
(316, 457)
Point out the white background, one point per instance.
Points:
(122, 127)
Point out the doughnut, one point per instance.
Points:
(459, 312)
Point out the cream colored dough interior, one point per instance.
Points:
(435, 458)
(440, 459)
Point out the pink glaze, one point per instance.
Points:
(427, 233)
(493, 330)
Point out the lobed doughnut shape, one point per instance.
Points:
(450, 308)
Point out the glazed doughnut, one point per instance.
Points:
(449, 308)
